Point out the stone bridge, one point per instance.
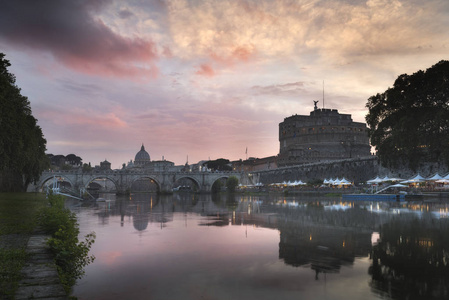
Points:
(123, 179)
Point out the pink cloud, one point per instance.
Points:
(235, 55)
(82, 117)
(205, 70)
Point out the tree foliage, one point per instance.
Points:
(409, 123)
(22, 144)
(220, 164)
(232, 183)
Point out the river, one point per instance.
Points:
(186, 246)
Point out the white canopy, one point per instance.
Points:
(416, 179)
(396, 179)
(375, 180)
(435, 177)
(398, 185)
(442, 181)
(345, 181)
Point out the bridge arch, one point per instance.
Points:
(142, 177)
(223, 178)
(44, 180)
(101, 176)
(179, 180)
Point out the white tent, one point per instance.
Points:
(386, 178)
(435, 177)
(398, 185)
(446, 177)
(442, 181)
(396, 179)
(299, 182)
(345, 182)
(416, 179)
(375, 180)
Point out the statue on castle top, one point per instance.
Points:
(315, 102)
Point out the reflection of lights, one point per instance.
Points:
(310, 237)
(343, 243)
(375, 237)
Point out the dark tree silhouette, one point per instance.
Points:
(409, 123)
(22, 144)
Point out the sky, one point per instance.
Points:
(206, 79)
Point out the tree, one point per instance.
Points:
(22, 144)
(74, 160)
(232, 183)
(409, 123)
(220, 164)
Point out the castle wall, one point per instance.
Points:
(322, 136)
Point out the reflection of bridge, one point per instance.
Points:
(123, 179)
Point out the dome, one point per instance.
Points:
(142, 157)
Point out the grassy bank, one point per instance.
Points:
(18, 218)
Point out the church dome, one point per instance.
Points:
(142, 157)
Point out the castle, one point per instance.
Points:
(324, 135)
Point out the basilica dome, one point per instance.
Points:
(142, 157)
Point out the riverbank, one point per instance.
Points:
(25, 261)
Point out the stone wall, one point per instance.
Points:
(356, 170)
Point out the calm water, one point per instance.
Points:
(263, 247)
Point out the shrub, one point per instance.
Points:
(71, 255)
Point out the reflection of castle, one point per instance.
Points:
(323, 135)
(325, 249)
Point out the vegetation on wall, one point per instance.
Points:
(409, 123)
(22, 144)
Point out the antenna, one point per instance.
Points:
(323, 94)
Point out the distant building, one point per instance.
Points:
(142, 157)
(255, 164)
(142, 160)
(105, 165)
(324, 135)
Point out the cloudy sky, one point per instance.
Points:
(206, 78)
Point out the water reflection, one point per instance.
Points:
(411, 259)
(267, 246)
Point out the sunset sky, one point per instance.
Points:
(207, 78)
